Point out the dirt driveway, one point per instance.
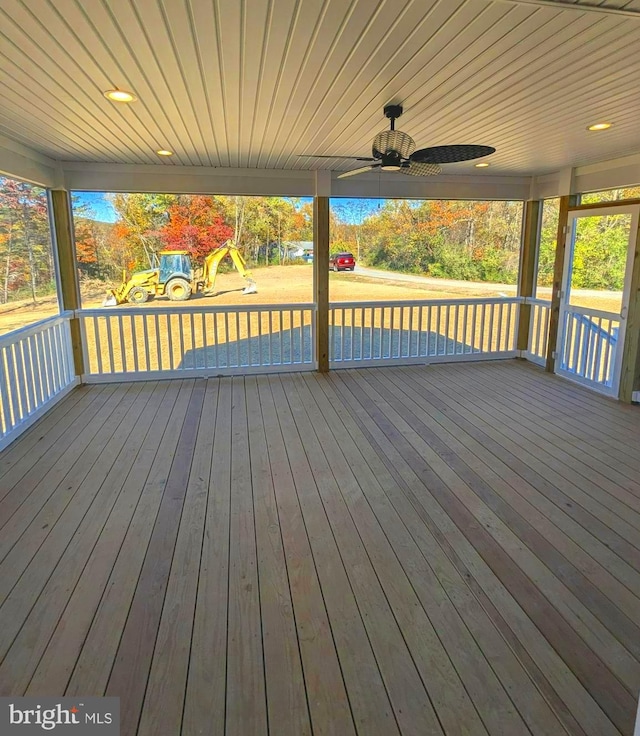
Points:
(294, 284)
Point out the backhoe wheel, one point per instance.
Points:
(137, 295)
(178, 290)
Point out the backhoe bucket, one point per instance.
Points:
(110, 299)
(251, 287)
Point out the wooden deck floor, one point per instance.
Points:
(452, 549)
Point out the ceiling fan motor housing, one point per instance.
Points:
(393, 141)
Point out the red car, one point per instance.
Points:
(342, 262)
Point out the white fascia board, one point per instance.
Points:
(21, 162)
(188, 179)
(610, 174)
(277, 182)
(621, 172)
(481, 187)
(546, 186)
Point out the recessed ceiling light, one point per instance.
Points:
(599, 126)
(120, 95)
(164, 152)
(482, 166)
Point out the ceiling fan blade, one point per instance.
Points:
(355, 172)
(450, 154)
(415, 168)
(353, 158)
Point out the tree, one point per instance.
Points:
(25, 239)
(194, 225)
(141, 216)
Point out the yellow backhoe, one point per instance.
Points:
(174, 277)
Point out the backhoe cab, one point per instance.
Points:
(174, 277)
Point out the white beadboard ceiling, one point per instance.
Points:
(253, 83)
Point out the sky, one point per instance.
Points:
(100, 208)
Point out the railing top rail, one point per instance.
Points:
(23, 332)
(428, 302)
(589, 312)
(534, 300)
(232, 308)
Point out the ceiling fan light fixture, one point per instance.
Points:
(391, 161)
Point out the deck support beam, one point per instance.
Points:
(527, 277)
(566, 201)
(321, 279)
(69, 286)
(630, 371)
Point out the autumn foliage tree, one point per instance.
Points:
(452, 239)
(194, 224)
(25, 242)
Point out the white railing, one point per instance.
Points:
(589, 348)
(162, 342)
(36, 369)
(375, 333)
(538, 330)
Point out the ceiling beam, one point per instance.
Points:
(582, 7)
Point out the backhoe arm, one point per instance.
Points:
(212, 262)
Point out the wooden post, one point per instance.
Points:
(526, 281)
(568, 200)
(69, 287)
(630, 371)
(321, 279)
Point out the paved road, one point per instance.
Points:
(454, 284)
(436, 284)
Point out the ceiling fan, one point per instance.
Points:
(394, 150)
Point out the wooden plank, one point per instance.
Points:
(607, 468)
(387, 498)
(521, 522)
(30, 492)
(566, 201)
(436, 637)
(38, 432)
(615, 523)
(607, 449)
(593, 515)
(606, 415)
(66, 642)
(42, 592)
(286, 698)
(410, 464)
(69, 287)
(544, 511)
(130, 671)
(522, 548)
(630, 371)
(92, 670)
(206, 684)
(328, 519)
(35, 520)
(45, 446)
(164, 698)
(527, 273)
(246, 711)
(321, 279)
(554, 678)
(329, 705)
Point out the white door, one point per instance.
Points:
(595, 295)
